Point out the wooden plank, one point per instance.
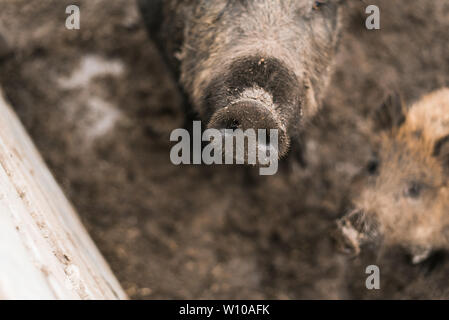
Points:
(45, 252)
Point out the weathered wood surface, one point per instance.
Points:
(45, 252)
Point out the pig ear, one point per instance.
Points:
(391, 114)
(441, 151)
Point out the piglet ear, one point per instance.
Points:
(391, 114)
(441, 151)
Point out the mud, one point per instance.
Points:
(100, 104)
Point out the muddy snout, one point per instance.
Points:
(253, 115)
(354, 231)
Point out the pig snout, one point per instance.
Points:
(254, 115)
(355, 231)
(256, 92)
(277, 53)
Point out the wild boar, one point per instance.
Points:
(403, 198)
(260, 64)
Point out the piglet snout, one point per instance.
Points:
(354, 231)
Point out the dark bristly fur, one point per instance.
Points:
(278, 53)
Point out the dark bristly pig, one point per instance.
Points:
(261, 64)
(403, 199)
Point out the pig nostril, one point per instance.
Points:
(252, 116)
(267, 142)
(348, 248)
(233, 124)
(230, 123)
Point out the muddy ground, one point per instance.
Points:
(100, 104)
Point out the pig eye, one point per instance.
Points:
(413, 190)
(318, 4)
(373, 167)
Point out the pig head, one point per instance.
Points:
(260, 64)
(402, 197)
